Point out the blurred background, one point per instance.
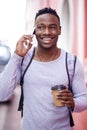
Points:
(17, 18)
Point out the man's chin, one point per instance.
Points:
(47, 46)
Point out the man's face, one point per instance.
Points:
(47, 30)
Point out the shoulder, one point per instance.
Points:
(70, 57)
(27, 58)
(29, 54)
(73, 59)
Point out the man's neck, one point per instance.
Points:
(45, 55)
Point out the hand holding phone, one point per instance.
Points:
(23, 45)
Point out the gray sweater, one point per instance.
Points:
(40, 113)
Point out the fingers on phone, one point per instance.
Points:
(28, 41)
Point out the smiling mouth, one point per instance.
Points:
(47, 38)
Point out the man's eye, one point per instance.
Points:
(52, 27)
(40, 27)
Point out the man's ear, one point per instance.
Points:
(59, 30)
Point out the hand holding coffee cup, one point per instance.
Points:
(56, 91)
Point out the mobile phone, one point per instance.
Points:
(34, 31)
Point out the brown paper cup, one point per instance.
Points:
(55, 90)
(57, 102)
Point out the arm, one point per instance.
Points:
(77, 100)
(12, 72)
(79, 89)
(9, 77)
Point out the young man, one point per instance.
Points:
(47, 69)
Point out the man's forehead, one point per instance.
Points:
(47, 18)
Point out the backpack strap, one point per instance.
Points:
(20, 107)
(68, 72)
(70, 84)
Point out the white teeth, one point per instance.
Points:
(46, 39)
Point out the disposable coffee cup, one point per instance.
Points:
(55, 90)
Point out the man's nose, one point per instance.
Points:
(46, 30)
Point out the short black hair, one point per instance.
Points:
(47, 10)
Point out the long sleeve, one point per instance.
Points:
(79, 89)
(10, 77)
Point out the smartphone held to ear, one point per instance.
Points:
(34, 31)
